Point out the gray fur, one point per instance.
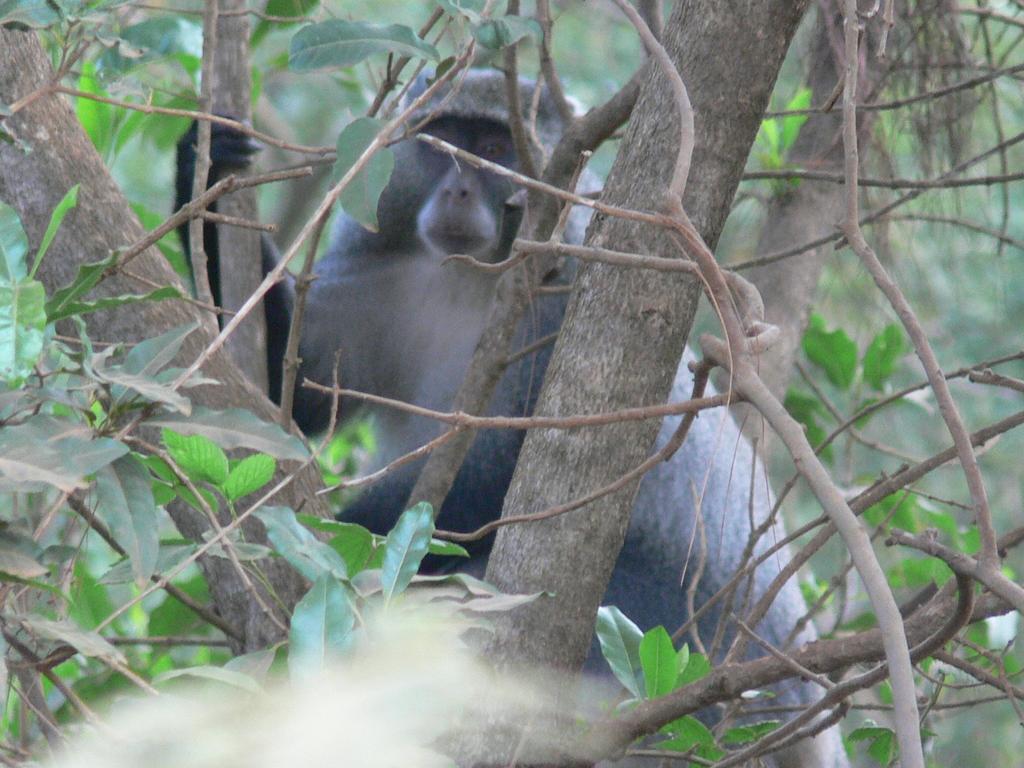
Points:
(407, 325)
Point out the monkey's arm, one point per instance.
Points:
(231, 151)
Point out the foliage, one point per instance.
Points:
(97, 440)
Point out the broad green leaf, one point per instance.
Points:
(471, 9)
(881, 742)
(144, 386)
(158, 37)
(406, 547)
(296, 544)
(198, 457)
(85, 642)
(13, 246)
(805, 408)
(256, 664)
(321, 628)
(88, 276)
(339, 43)
(236, 428)
(149, 357)
(500, 33)
(882, 355)
(697, 667)
(279, 9)
(690, 733)
(216, 674)
(17, 563)
(124, 501)
(22, 328)
(249, 475)
(113, 302)
(355, 547)
(31, 13)
(359, 198)
(658, 662)
(745, 734)
(446, 548)
(620, 645)
(173, 617)
(69, 201)
(832, 351)
(96, 117)
(791, 124)
(44, 451)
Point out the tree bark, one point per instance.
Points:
(33, 183)
(625, 329)
(239, 248)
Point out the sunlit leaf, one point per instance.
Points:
(406, 547)
(321, 628)
(620, 645)
(359, 198)
(339, 43)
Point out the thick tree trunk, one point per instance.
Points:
(239, 248)
(625, 329)
(33, 183)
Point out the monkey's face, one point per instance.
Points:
(463, 208)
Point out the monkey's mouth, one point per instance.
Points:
(452, 240)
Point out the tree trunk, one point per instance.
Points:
(239, 248)
(625, 329)
(33, 183)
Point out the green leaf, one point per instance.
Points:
(881, 741)
(216, 674)
(658, 662)
(406, 546)
(113, 302)
(162, 36)
(86, 279)
(508, 30)
(470, 9)
(173, 617)
(690, 733)
(620, 645)
(359, 198)
(281, 8)
(249, 475)
(339, 43)
(321, 628)
(446, 548)
(198, 457)
(22, 328)
(124, 501)
(13, 246)
(832, 351)
(745, 734)
(805, 407)
(96, 117)
(15, 562)
(69, 201)
(791, 124)
(44, 451)
(236, 428)
(697, 667)
(296, 544)
(86, 643)
(31, 13)
(882, 354)
(355, 547)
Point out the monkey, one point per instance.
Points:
(407, 323)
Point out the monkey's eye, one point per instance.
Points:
(495, 148)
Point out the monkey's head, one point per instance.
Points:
(438, 204)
